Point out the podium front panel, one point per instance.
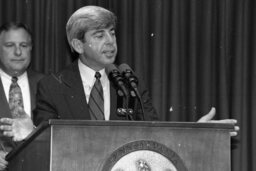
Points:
(97, 146)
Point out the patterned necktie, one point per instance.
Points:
(15, 99)
(96, 100)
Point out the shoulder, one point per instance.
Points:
(66, 75)
(34, 75)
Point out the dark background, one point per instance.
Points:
(192, 54)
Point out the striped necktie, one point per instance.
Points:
(96, 100)
(15, 99)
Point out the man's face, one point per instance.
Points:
(99, 48)
(15, 51)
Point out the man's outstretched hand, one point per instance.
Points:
(209, 116)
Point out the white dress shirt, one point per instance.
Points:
(24, 85)
(88, 79)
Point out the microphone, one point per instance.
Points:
(116, 78)
(133, 82)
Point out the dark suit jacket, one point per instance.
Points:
(61, 96)
(33, 78)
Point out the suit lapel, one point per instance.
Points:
(32, 88)
(4, 106)
(75, 96)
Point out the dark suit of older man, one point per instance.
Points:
(33, 79)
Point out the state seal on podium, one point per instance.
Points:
(143, 155)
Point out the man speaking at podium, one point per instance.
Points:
(70, 94)
(92, 88)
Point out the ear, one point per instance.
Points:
(77, 45)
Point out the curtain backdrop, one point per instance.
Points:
(192, 54)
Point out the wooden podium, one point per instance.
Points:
(69, 145)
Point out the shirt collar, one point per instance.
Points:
(88, 74)
(8, 77)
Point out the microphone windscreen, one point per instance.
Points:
(123, 67)
(109, 68)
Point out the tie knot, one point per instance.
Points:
(97, 75)
(14, 79)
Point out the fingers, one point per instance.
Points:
(208, 118)
(232, 134)
(7, 130)
(8, 133)
(6, 127)
(17, 129)
(3, 162)
(3, 166)
(8, 121)
(227, 121)
(237, 128)
(7, 124)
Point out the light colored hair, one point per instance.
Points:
(88, 18)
